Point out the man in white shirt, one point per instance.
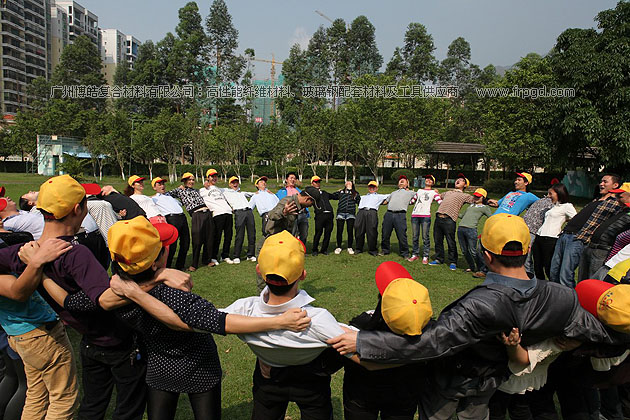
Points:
(175, 216)
(243, 219)
(264, 201)
(19, 220)
(221, 216)
(291, 366)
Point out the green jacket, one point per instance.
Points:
(278, 221)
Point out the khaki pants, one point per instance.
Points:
(50, 373)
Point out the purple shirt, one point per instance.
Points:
(76, 270)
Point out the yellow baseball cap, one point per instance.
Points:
(135, 244)
(156, 180)
(373, 183)
(233, 178)
(211, 172)
(262, 178)
(282, 254)
(607, 302)
(465, 179)
(525, 175)
(186, 175)
(406, 306)
(480, 192)
(315, 178)
(625, 187)
(502, 228)
(59, 195)
(134, 178)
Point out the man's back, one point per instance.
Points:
(286, 348)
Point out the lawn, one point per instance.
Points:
(343, 284)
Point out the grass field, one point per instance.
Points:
(343, 284)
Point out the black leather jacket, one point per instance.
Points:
(464, 335)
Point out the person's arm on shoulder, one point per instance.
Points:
(518, 358)
(294, 319)
(35, 256)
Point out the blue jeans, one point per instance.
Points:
(566, 258)
(424, 224)
(468, 242)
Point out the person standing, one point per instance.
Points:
(324, 217)
(135, 191)
(534, 217)
(547, 234)
(221, 216)
(175, 216)
(421, 218)
(367, 219)
(467, 232)
(202, 227)
(300, 228)
(348, 198)
(396, 217)
(517, 201)
(446, 221)
(264, 201)
(577, 233)
(243, 219)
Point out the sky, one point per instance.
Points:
(500, 32)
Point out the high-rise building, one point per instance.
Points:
(117, 48)
(59, 33)
(25, 50)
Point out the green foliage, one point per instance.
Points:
(362, 50)
(499, 186)
(406, 172)
(73, 166)
(415, 59)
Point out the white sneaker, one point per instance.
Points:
(252, 259)
(214, 261)
(337, 251)
(236, 261)
(228, 260)
(350, 251)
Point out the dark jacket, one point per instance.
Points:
(323, 205)
(468, 327)
(605, 235)
(122, 202)
(347, 203)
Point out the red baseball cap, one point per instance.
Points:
(168, 233)
(403, 176)
(388, 272)
(3, 203)
(92, 189)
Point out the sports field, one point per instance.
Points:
(343, 284)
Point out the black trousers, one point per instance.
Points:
(397, 221)
(366, 223)
(222, 225)
(350, 230)
(12, 388)
(542, 252)
(96, 244)
(517, 405)
(311, 393)
(202, 230)
(244, 219)
(323, 224)
(162, 405)
(264, 219)
(181, 224)
(445, 227)
(592, 259)
(102, 369)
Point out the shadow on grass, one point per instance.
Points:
(238, 411)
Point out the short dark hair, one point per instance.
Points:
(128, 191)
(562, 192)
(289, 174)
(145, 275)
(509, 261)
(616, 179)
(278, 290)
(50, 216)
(24, 204)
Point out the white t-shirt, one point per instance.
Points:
(26, 222)
(147, 204)
(287, 348)
(215, 200)
(555, 218)
(620, 256)
(424, 199)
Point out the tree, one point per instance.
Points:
(418, 61)
(338, 52)
(363, 52)
(170, 133)
(144, 147)
(117, 138)
(317, 59)
(596, 119)
(276, 143)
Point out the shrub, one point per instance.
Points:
(501, 186)
(406, 172)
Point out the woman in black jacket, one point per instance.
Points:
(346, 213)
